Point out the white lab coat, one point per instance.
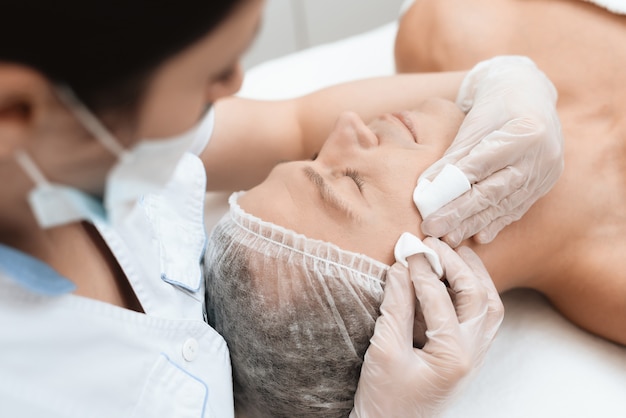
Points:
(70, 356)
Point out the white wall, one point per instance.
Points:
(291, 25)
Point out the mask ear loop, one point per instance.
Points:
(31, 169)
(90, 122)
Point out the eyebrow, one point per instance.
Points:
(327, 194)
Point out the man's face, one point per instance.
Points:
(357, 193)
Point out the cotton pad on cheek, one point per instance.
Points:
(449, 184)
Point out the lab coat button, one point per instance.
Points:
(190, 349)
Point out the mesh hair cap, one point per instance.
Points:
(297, 315)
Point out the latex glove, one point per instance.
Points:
(398, 380)
(510, 147)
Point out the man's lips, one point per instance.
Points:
(404, 118)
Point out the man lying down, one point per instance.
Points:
(295, 271)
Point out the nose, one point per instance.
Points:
(350, 132)
(227, 86)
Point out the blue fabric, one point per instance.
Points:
(32, 274)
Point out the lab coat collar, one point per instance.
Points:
(33, 274)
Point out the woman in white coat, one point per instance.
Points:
(101, 230)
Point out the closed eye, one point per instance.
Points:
(356, 177)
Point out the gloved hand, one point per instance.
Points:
(510, 147)
(398, 380)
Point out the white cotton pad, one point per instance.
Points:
(408, 245)
(449, 184)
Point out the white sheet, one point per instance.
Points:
(540, 364)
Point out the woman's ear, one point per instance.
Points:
(22, 98)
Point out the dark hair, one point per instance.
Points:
(105, 50)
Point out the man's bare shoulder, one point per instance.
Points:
(591, 292)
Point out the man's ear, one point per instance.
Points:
(22, 97)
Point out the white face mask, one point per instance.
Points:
(144, 169)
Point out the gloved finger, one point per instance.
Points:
(489, 233)
(485, 194)
(473, 130)
(495, 308)
(491, 191)
(503, 148)
(480, 154)
(509, 209)
(437, 308)
(470, 295)
(394, 326)
(513, 207)
(390, 360)
(482, 313)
